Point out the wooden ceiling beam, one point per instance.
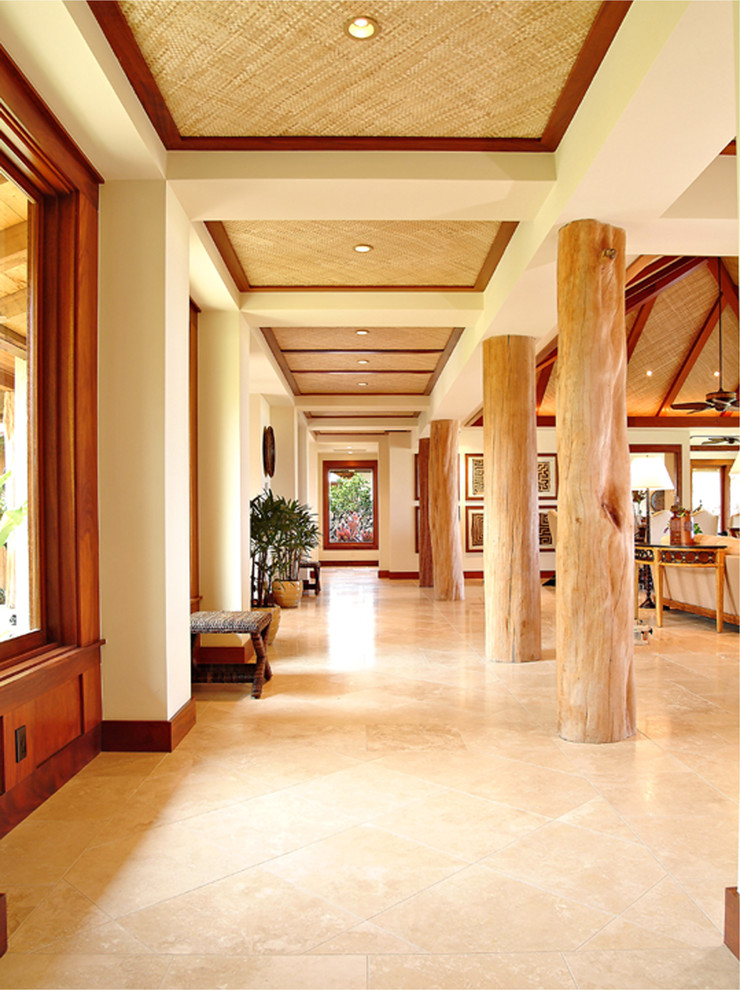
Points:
(638, 266)
(495, 253)
(272, 343)
(13, 343)
(690, 360)
(13, 305)
(543, 381)
(638, 326)
(652, 264)
(13, 246)
(230, 258)
(729, 295)
(648, 288)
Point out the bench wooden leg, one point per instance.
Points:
(262, 670)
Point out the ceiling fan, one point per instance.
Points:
(724, 441)
(721, 400)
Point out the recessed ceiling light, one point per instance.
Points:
(363, 361)
(716, 374)
(362, 333)
(363, 248)
(648, 373)
(362, 384)
(362, 28)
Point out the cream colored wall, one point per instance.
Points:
(220, 450)
(401, 508)
(259, 418)
(143, 450)
(283, 422)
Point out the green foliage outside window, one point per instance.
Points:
(351, 508)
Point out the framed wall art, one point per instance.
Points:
(473, 476)
(547, 476)
(473, 529)
(545, 533)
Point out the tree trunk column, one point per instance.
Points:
(596, 700)
(426, 568)
(444, 511)
(511, 544)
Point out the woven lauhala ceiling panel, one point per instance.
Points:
(438, 68)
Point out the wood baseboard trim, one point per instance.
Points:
(732, 921)
(141, 736)
(473, 575)
(17, 803)
(402, 575)
(3, 924)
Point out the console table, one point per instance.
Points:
(661, 556)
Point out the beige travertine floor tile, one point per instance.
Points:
(62, 911)
(39, 852)
(383, 738)
(107, 939)
(620, 934)
(378, 869)
(91, 798)
(269, 826)
(21, 901)
(277, 972)
(366, 791)
(482, 971)
(589, 867)
(126, 875)
(460, 824)
(252, 912)
(668, 910)
(655, 969)
(599, 816)
(18, 972)
(492, 913)
(522, 785)
(366, 939)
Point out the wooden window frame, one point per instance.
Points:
(38, 155)
(357, 465)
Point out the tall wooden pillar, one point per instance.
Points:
(511, 544)
(426, 568)
(444, 519)
(596, 701)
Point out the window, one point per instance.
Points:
(48, 384)
(350, 505)
(19, 599)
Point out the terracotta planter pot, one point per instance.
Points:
(287, 594)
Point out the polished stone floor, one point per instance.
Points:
(395, 812)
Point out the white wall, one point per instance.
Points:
(143, 451)
(259, 418)
(220, 448)
(284, 423)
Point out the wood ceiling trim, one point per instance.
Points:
(368, 350)
(647, 288)
(690, 360)
(446, 353)
(495, 254)
(120, 37)
(363, 372)
(604, 28)
(361, 288)
(282, 363)
(542, 382)
(648, 422)
(230, 258)
(650, 267)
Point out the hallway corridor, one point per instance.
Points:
(396, 813)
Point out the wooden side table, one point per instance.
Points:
(661, 556)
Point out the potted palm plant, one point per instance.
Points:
(282, 533)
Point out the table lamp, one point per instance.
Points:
(649, 472)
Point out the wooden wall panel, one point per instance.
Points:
(57, 719)
(14, 772)
(92, 698)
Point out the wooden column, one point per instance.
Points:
(444, 516)
(511, 543)
(426, 568)
(596, 701)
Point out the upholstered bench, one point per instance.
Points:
(255, 624)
